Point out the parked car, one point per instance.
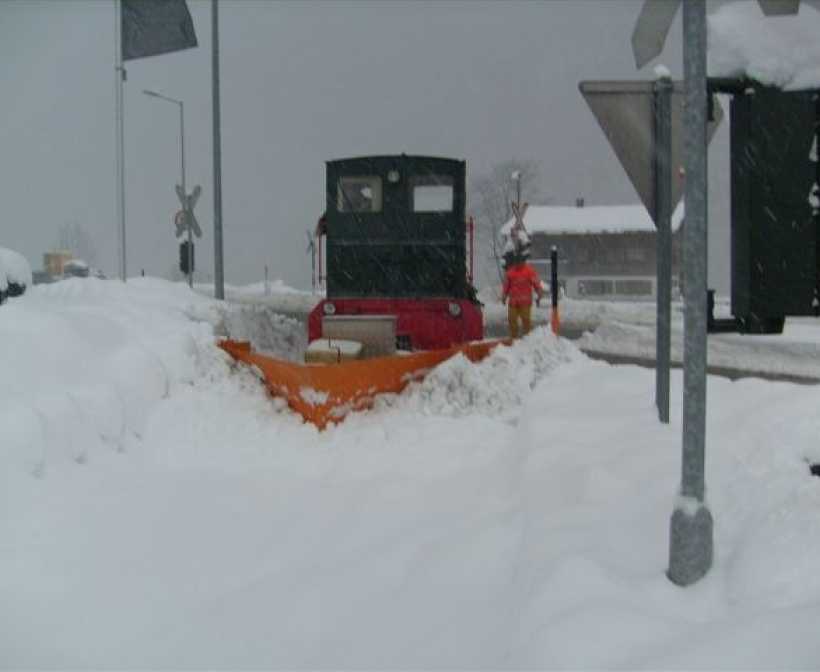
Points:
(15, 272)
(76, 268)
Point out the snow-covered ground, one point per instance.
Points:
(159, 511)
(605, 328)
(631, 332)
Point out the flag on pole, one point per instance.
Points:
(152, 27)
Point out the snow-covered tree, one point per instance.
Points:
(490, 197)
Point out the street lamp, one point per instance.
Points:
(154, 94)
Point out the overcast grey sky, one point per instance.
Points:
(302, 82)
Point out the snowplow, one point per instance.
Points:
(399, 295)
(323, 393)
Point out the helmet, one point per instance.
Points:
(509, 258)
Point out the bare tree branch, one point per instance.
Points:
(490, 198)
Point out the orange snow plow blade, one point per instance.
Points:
(323, 393)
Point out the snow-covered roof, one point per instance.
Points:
(781, 51)
(75, 263)
(558, 219)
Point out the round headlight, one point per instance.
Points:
(455, 309)
(329, 308)
(393, 176)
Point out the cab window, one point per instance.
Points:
(431, 193)
(359, 194)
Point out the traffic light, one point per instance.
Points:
(183, 257)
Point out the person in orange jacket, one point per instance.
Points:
(520, 281)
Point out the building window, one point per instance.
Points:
(615, 255)
(431, 193)
(594, 287)
(635, 254)
(583, 255)
(359, 194)
(633, 287)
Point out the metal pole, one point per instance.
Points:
(219, 279)
(312, 265)
(690, 542)
(182, 143)
(119, 76)
(662, 173)
(185, 194)
(555, 320)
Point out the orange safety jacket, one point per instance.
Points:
(519, 283)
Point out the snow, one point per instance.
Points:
(557, 219)
(78, 264)
(17, 268)
(262, 289)
(336, 346)
(160, 511)
(662, 72)
(779, 51)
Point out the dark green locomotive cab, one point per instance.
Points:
(396, 227)
(396, 241)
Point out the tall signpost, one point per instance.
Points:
(691, 538)
(662, 215)
(186, 214)
(643, 122)
(219, 269)
(143, 28)
(119, 78)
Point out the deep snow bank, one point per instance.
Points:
(85, 361)
(159, 511)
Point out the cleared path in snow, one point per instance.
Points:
(617, 333)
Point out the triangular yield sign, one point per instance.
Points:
(624, 110)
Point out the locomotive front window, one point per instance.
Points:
(432, 193)
(359, 194)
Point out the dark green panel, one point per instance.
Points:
(396, 271)
(378, 244)
(742, 162)
(774, 234)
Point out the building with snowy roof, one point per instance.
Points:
(604, 252)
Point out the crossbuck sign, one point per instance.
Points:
(185, 219)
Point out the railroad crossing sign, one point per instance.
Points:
(518, 213)
(656, 19)
(651, 29)
(624, 110)
(185, 218)
(180, 222)
(518, 233)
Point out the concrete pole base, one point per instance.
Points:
(690, 545)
